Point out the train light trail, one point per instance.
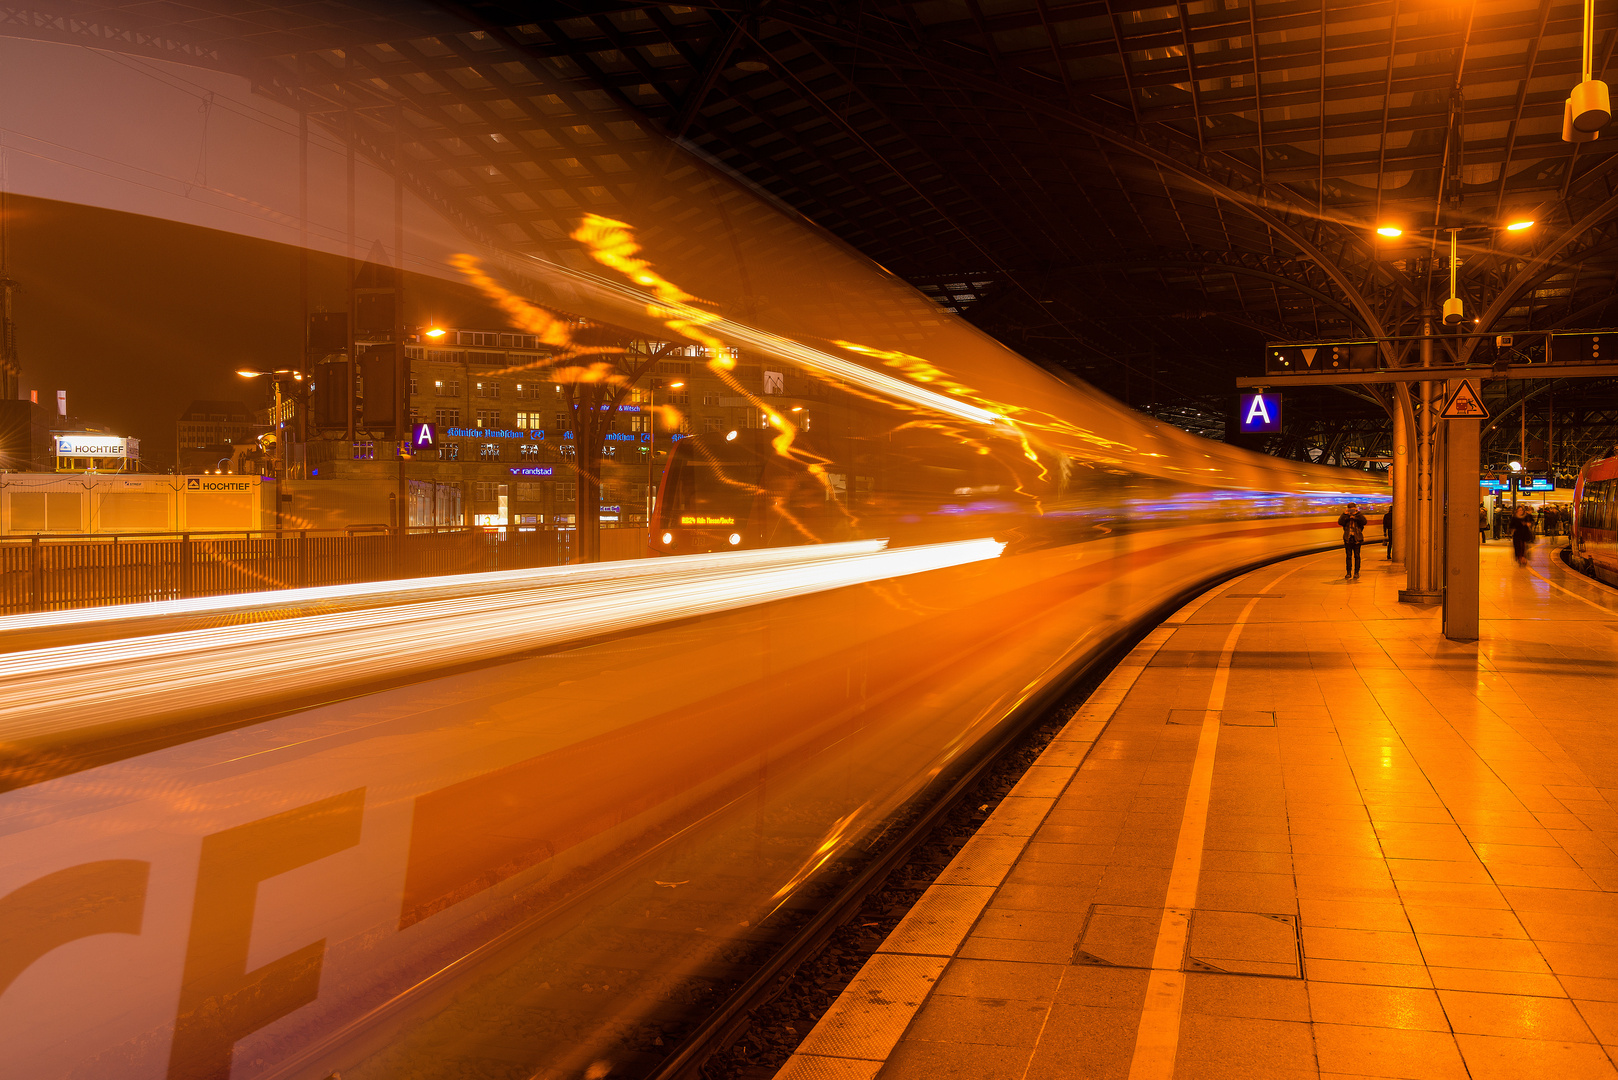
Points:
(55, 694)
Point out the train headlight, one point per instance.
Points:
(735, 538)
(668, 538)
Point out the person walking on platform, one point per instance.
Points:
(1387, 530)
(1353, 523)
(1522, 534)
(1483, 523)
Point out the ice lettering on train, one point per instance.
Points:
(220, 1000)
(107, 897)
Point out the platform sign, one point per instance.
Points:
(1536, 483)
(1490, 483)
(1260, 413)
(423, 437)
(1464, 404)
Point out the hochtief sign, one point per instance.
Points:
(97, 446)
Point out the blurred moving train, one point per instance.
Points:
(493, 827)
(1594, 547)
(925, 483)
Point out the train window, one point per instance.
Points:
(711, 485)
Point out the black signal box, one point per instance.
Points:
(1310, 359)
(1584, 348)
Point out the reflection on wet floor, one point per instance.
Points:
(1408, 871)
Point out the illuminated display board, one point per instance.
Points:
(97, 446)
(1536, 483)
(687, 519)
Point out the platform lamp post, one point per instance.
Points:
(1589, 106)
(1441, 567)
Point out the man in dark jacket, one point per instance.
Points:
(1387, 529)
(1353, 523)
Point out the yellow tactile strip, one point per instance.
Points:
(858, 1033)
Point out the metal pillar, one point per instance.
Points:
(1402, 503)
(1460, 525)
(1422, 584)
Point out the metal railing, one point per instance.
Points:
(51, 573)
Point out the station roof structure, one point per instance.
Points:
(1140, 193)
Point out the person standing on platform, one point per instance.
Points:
(1522, 534)
(1353, 523)
(1387, 529)
(1483, 523)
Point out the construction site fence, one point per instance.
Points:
(52, 573)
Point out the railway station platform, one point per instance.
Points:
(1295, 834)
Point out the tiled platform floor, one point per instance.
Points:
(1408, 866)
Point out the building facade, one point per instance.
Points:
(502, 430)
(210, 430)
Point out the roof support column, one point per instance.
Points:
(1461, 563)
(1403, 505)
(1423, 558)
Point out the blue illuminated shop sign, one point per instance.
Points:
(1260, 413)
(533, 470)
(494, 433)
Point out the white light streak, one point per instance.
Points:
(423, 588)
(791, 351)
(48, 693)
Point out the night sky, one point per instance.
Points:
(135, 317)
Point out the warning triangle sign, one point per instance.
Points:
(1464, 404)
(1309, 357)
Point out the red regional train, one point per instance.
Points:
(1595, 520)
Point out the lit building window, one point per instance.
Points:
(489, 451)
(364, 451)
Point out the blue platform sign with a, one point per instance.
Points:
(423, 437)
(1260, 413)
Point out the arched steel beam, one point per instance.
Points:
(1258, 206)
(1220, 267)
(1535, 268)
(1517, 405)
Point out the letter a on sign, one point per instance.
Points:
(1464, 404)
(424, 435)
(1259, 413)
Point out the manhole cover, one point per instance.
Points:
(1227, 717)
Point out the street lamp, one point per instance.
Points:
(276, 417)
